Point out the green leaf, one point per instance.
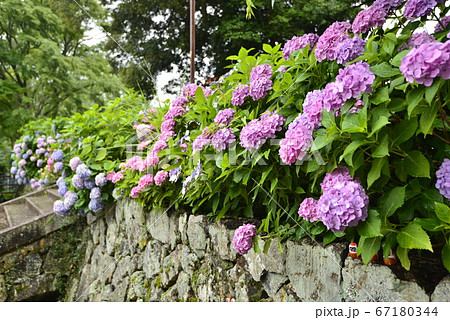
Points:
(404, 131)
(108, 165)
(442, 212)
(328, 237)
(371, 226)
(383, 149)
(402, 254)
(413, 98)
(267, 246)
(427, 119)
(384, 70)
(397, 60)
(430, 92)
(446, 256)
(368, 247)
(378, 124)
(417, 165)
(101, 155)
(256, 248)
(381, 96)
(389, 242)
(351, 148)
(96, 166)
(393, 201)
(414, 237)
(375, 171)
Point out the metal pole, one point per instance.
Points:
(192, 52)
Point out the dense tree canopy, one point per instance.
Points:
(156, 33)
(45, 68)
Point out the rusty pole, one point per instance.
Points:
(192, 52)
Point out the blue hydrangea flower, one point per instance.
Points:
(57, 155)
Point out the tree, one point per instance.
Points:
(156, 33)
(45, 68)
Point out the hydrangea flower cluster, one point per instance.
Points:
(349, 49)
(257, 131)
(160, 177)
(330, 39)
(297, 43)
(144, 131)
(388, 5)
(354, 79)
(222, 139)
(312, 108)
(203, 140)
(260, 82)
(443, 178)
(418, 8)
(416, 40)
(190, 89)
(372, 17)
(297, 140)
(239, 95)
(343, 203)
(444, 22)
(224, 117)
(144, 182)
(427, 62)
(243, 238)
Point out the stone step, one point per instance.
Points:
(53, 193)
(19, 213)
(42, 204)
(3, 220)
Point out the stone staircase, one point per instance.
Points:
(29, 218)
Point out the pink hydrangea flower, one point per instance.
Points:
(160, 177)
(329, 40)
(308, 210)
(372, 17)
(239, 95)
(243, 238)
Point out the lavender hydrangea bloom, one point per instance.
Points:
(95, 193)
(60, 209)
(143, 131)
(343, 203)
(427, 62)
(222, 139)
(13, 170)
(297, 43)
(62, 190)
(70, 199)
(444, 21)
(417, 40)
(261, 71)
(39, 163)
(100, 179)
(83, 172)
(418, 8)
(117, 194)
(350, 49)
(312, 108)
(74, 163)
(443, 178)
(388, 5)
(89, 183)
(239, 95)
(328, 41)
(259, 88)
(372, 17)
(256, 132)
(96, 205)
(61, 182)
(297, 140)
(77, 182)
(224, 117)
(25, 156)
(32, 158)
(308, 210)
(355, 79)
(58, 166)
(243, 238)
(22, 163)
(174, 174)
(57, 155)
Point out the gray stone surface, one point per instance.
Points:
(222, 241)
(163, 227)
(376, 282)
(315, 271)
(442, 291)
(196, 232)
(272, 282)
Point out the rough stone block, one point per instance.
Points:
(153, 258)
(222, 241)
(163, 227)
(442, 291)
(272, 282)
(196, 232)
(111, 237)
(272, 261)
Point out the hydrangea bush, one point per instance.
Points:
(343, 135)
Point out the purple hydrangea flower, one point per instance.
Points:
(74, 163)
(372, 17)
(444, 21)
(13, 170)
(160, 177)
(57, 155)
(39, 163)
(350, 49)
(25, 156)
(96, 205)
(100, 179)
(355, 79)
(143, 131)
(243, 238)
(418, 8)
(239, 95)
(32, 158)
(174, 174)
(117, 194)
(260, 87)
(443, 178)
(58, 166)
(261, 71)
(177, 105)
(77, 182)
(95, 193)
(89, 183)
(224, 117)
(257, 131)
(427, 62)
(61, 182)
(70, 199)
(308, 210)
(343, 203)
(60, 209)
(297, 43)
(312, 108)
(222, 139)
(22, 163)
(29, 152)
(22, 173)
(328, 41)
(388, 5)
(202, 140)
(417, 40)
(83, 172)
(62, 190)
(297, 140)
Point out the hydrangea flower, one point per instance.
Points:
(95, 193)
(239, 95)
(89, 183)
(83, 172)
(77, 182)
(177, 103)
(372, 17)
(257, 131)
(329, 40)
(224, 117)
(343, 203)
(57, 155)
(388, 5)
(74, 163)
(174, 174)
(70, 199)
(62, 190)
(418, 8)
(60, 209)
(32, 158)
(443, 178)
(96, 205)
(308, 210)
(61, 182)
(444, 21)
(427, 62)
(349, 49)
(100, 180)
(297, 43)
(312, 108)
(22, 163)
(13, 170)
(222, 139)
(297, 140)
(143, 131)
(117, 194)
(243, 238)
(260, 71)
(160, 177)
(146, 181)
(355, 79)
(39, 163)
(416, 40)
(58, 166)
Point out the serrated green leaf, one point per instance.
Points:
(381, 96)
(427, 119)
(384, 70)
(383, 149)
(371, 226)
(351, 148)
(413, 98)
(397, 60)
(402, 254)
(417, 165)
(101, 155)
(442, 212)
(375, 171)
(393, 201)
(368, 247)
(430, 92)
(445, 254)
(404, 131)
(378, 124)
(414, 237)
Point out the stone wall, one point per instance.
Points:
(133, 255)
